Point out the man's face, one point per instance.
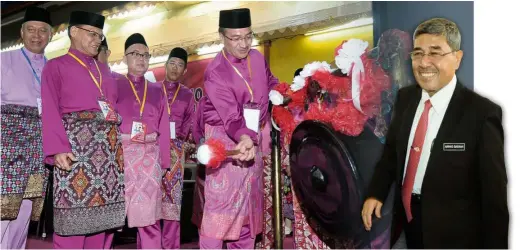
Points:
(175, 69)
(434, 62)
(237, 42)
(103, 55)
(87, 38)
(36, 36)
(137, 59)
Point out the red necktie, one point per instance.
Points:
(414, 158)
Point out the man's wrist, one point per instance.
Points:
(245, 137)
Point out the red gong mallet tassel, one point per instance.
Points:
(213, 153)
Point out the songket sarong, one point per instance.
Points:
(172, 183)
(23, 172)
(90, 198)
(234, 191)
(306, 237)
(287, 197)
(143, 178)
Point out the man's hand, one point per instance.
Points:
(246, 149)
(64, 161)
(371, 205)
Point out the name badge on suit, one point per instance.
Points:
(454, 146)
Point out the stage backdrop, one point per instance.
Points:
(193, 79)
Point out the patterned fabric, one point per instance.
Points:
(90, 198)
(287, 197)
(268, 234)
(233, 192)
(23, 173)
(143, 179)
(307, 238)
(172, 183)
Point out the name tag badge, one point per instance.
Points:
(39, 105)
(252, 117)
(138, 132)
(172, 129)
(108, 112)
(454, 147)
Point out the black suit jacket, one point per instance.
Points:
(464, 194)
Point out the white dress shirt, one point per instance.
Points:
(439, 102)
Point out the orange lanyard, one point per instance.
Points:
(98, 84)
(143, 102)
(167, 98)
(238, 72)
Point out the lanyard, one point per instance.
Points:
(238, 72)
(167, 98)
(31, 65)
(98, 84)
(143, 102)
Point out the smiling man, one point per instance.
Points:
(237, 84)
(81, 139)
(24, 176)
(145, 136)
(445, 152)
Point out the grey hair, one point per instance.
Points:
(441, 27)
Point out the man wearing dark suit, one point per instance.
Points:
(445, 154)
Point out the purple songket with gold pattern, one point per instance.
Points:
(90, 198)
(23, 174)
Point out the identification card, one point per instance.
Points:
(172, 129)
(108, 112)
(138, 132)
(252, 117)
(39, 105)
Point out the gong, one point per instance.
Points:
(330, 173)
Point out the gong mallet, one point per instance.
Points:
(213, 153)
(277, 187)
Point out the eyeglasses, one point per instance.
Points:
(138, 55)
(249, 37)
(93, 34)
(434, 56)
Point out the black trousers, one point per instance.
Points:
(413, 229)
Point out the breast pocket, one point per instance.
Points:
(456, 152)
(453, 163)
